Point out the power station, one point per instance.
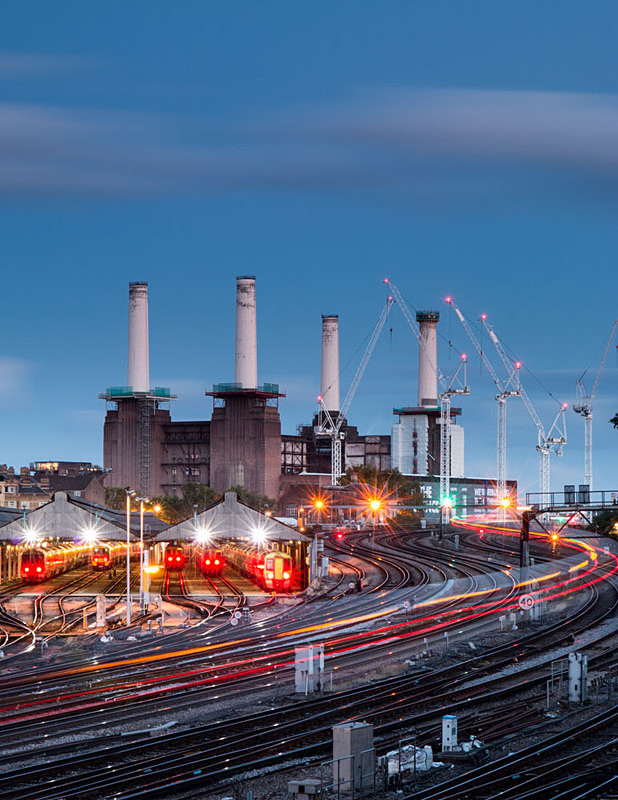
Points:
(242, 443)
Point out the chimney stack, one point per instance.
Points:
(330, 362)
(428, 359)
(246, 333)
(138, 373)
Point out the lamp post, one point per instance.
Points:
(129, 493)
(374, 505)
(319, 505)
(446, 504)
(141, 554)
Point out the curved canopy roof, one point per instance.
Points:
(228, 518)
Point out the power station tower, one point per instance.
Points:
(134, 411)
(245, 430)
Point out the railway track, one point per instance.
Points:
(389, 695)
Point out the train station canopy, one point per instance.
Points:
(73, 518)
(230, 519)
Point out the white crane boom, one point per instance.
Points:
(583, 406)
(409, 317)
(504, 392)
(332, 428)
(546, 442)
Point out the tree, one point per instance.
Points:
(614, 420)
(115, 497)
(389, 484)
(606, 520)
(254, 500)
(174, 508)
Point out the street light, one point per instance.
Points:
(141, 553)
(130, 493)
(446, 504)
(374, 504)
(319, 506)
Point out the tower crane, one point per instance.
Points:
(506, 388)
(332, 428)
(445, 429)
(457, 385)
(552, 441)
(583, 406)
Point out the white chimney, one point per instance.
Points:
(138, 372)
(246, 333)
(428, 358)
(330, 362)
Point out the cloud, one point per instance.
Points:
(29, 65)
(14, 384)
(440, 145)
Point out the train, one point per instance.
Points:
(41, 563)
(270, 569)
(105, 556)
(211, 562)
(175, 557)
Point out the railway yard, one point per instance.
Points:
(197, 697)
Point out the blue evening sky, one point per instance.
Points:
(457, 148)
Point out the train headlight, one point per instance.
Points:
(217, 562)
(270, 574)
(38, 569)
(286, 576)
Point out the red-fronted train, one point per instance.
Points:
(270, 569)
(211, 562)
(175, 557)
(105, 556)
(40, 563)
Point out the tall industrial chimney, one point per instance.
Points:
(330, 362)
(246, 333)
(138, 372)
(428, 358)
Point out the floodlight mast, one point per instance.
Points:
(556, 438)
(506, 388)
(332, 428)
(583, 406)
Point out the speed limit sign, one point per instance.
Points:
(526, 601)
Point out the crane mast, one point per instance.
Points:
(448, 389)
(583, 406)
(555, 439)
(445, 429)
(327, 426)
(504, 392)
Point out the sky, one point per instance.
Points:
(464, 149)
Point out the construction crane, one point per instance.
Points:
(506, 388)
(332, 428)
(448, 389)
(552, 441)
(445, 430)
(583, 406)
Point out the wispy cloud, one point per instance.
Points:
(29, 65)
(432, 144)
(14, 381)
